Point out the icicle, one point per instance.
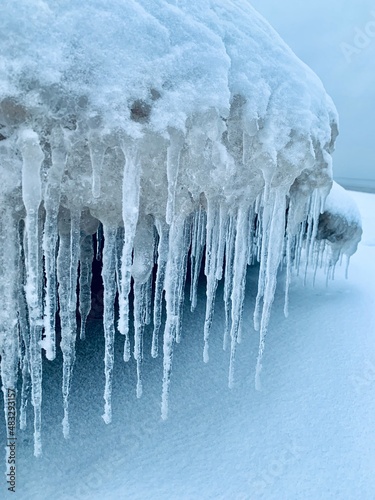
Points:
(163, 231)
(67, 258)
(239, 280)
(173, 165)
(258, 229)
(181, 289)
(9, 345)
(24, 334)
(143, 263)
(308, 235)
(296, 211)
(228, 277)
(198, 241)
(313, 221)
(318, 258)
(25, 388)
(223, 222)
(139, 323)
(85, 275)
(118, 254)
(288, 274)
(173, 278)
(264, 239)
(130, 209)
(148, 300)
(273, 258)
(299, 246)
(51, 205)
(33, 157)
(74, 258)
(322, 255)
(347, 266)
(142, 299)
(216, 222)
(193, 253)
(109, 282)
(212, 242)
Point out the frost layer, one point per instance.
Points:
(187, 130)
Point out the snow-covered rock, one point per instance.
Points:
(184, 128)
(340, 225)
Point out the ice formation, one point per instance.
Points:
(181, 133)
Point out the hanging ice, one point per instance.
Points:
(182, 134)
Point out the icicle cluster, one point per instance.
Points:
(214, 156)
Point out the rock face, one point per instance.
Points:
(171, 130)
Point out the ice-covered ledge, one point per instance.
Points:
(185, 128)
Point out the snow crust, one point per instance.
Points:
(187, 130)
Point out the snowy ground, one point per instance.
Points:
(308, 435)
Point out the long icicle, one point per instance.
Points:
(274, 255)
(85, 276)
(24, 331)
(68, 257)
(33, 157)
(241, 251)
(228, 276)
(140, 304)
(130, 211)
(109, 282)
(143, 263)
(50, 235)
(198, 241)
(9, 342)
(181, 288)
(163, 232)
(174, 275)
(214, 266)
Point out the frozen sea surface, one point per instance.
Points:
(308, 435)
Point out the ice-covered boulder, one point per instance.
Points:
(175, 129)
(340, 225)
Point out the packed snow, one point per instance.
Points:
(178, 133)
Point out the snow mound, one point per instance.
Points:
(175, 130)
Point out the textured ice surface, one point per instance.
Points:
(186, 129)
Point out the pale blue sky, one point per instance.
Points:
(336, 38)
